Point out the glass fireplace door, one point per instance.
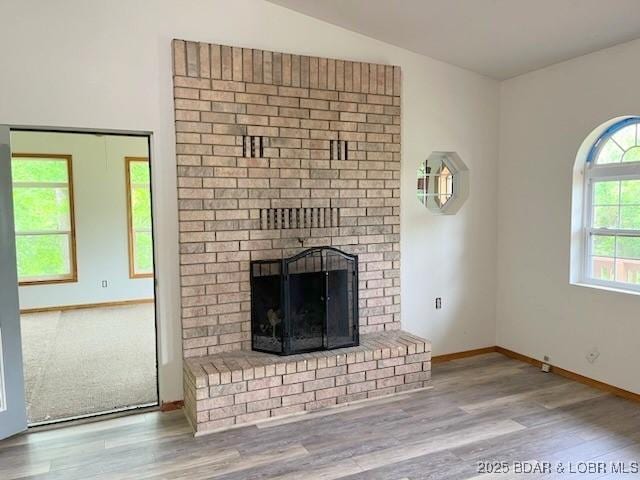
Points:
(341, 320)
(307, 303)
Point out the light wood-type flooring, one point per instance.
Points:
(483, 409)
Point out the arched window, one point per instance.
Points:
(611, 241)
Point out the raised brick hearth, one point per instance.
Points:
(236, 388)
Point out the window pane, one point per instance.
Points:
(606, 193)
(630, 218)
(39, 170)
(603, 245)
(626, 136)
(630, 192)
(141, 208)
(632, 155)
(143, 252)
(628, 271)
(41, 209)
(43, 255)
(602, 268)
(609, 153)
(605, 217)
(139, 172)
(628, 247)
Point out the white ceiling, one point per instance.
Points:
(497, 38)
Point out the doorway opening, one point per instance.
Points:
(86, 277)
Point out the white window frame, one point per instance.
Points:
(605, 172)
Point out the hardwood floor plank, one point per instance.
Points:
(24, 470)
(437, 443)
(239, 464)
(487, 408)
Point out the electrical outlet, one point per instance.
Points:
(104, 284)
(592, 355)
(546, 358)
(438, 303)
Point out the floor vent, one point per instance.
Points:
(288, 218)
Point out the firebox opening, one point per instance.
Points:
(305, 303)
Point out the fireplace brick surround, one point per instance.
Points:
(277, 153)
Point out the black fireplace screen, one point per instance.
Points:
(304, 303)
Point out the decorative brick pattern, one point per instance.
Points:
(262, 134)
(252, 146)
(339, 150)
(286, 218)
(236, 388)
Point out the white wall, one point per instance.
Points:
(97, 64)
(545, 116)
(100, 204)
(449, 256)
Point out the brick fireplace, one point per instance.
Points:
(278, 153)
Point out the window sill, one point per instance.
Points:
(606, 288)
(137, 276)
(47, 281)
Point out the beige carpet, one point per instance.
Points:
(88, 361)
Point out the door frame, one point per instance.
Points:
(112, 132)
(13, 416)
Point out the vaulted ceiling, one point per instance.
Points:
(497, 38)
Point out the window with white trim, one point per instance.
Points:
(612, 208)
